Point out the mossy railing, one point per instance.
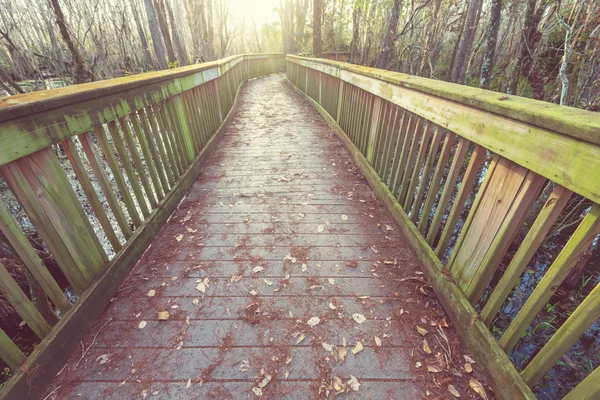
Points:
(437, 153)
(135, 145)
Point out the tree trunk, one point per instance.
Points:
(356, 13)
(492, 37)
(157, 43)
(301, 10)
(11, 86)
(389, 42)
(564, 94)
(466, 43)
(82, 74)
(143, 41)
(164, 29)
(317, 19)
(176, 33)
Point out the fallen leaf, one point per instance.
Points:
(452, 390)
(358, 318)
(331, 280)
(433, 368)
(235, 278)
(201, 287)
(304, 267)
(327, 346)
(257, 391)
(103, 358)
(469, 359)
(468, 368)
(151, 293)
(418, 364)
(422, 331)
(142, 325)
(256, 270)
(353, 383)
(189, 383)
(190, 230)
(313, 321)
(253, 292)
(426, 347)
(377, 341)
(320, 228)
(265, 381)
(300, 338)
(443, 323)
(478, 388)
(268, 282)
(163, 315)
(344, 217)
(358, 347)
(342, 353)
(179, 237)
(195, 302)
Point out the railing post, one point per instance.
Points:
(373, 130)
(218, 91)
(183, 117)
(339, 103)
(320, 87)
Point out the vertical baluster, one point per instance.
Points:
(9, 352)
(410, 195)
(164, 135)
(154, 133)
(410, 160)
(437, 136)
(407, 133)
(150, 155)
(393, 137)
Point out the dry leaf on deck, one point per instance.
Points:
(313, 321)
(142, 325)
(300, 338)
(358, 318)
(189, 383)
(342, 353)
(344, 217)
(327, 346)
(469, 359)
(468, 368)
(320, 228)
(478, 388)
(358, 347)
(377, 341)
(426, 347)
(353, 383)
(179, 237)
(452, 390)
(163, 315)
(422, 331)
(151, 293)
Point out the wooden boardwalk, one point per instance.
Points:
(277, 268)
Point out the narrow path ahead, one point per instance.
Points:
(280, 273)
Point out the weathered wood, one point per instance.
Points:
(506, 381)
(162, 148)
(117, 174)
(449, 185)
(433, 150)
(579, 242)
(588, 389)
(90, 192)
(150, 155)
(9, 352)
(137, 162)
(40, 368)
(407, 198)
(417, 134)
(32, 261)
(19, 301)
(465, 187)
(400, 154)
(373, 132)
(537, 233)
(571, 330)
(95, 163)
(436, 180)
(555, 155)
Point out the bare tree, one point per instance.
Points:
(389, 42)
(317, 22)
(492, 37)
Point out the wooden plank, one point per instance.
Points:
(95, 163)
(40, 368)
(571, 330)
(588, 389)
(43, 189)
(90, 192)
(404, 137)
(20, 302)
(32, 261)
(117, 174)
(537, 233)
(9, 352)
(137, 161)
(505, 380)
(373, 131)
(433, 150)
(579, 242)
(449, 185)
(436, 180)
(174, 135)
(142, 132)
(129, 172)
(413, 166)
(394, 139)
(459, 201)
(162, 149)
(183, 121)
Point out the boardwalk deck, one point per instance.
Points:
(279, 228)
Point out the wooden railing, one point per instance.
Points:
(427, 147)
(135, 145)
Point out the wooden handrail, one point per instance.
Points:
(403, 131)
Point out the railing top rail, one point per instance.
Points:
(569, 121)
(24, 104)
